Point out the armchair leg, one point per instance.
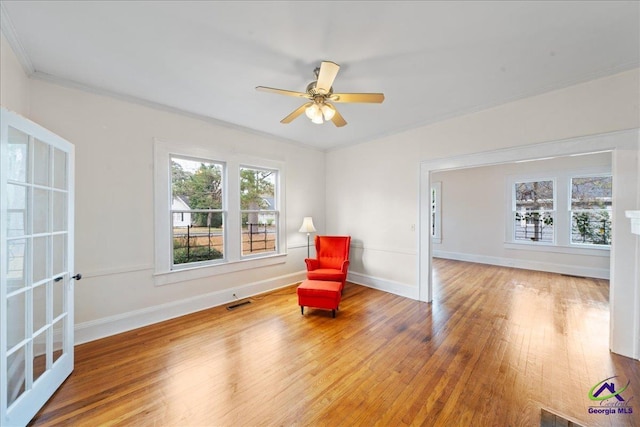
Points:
(302, 310)
(333, 313)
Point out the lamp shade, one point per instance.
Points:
(307, 225)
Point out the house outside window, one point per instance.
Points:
(591, 198)
(534, 211)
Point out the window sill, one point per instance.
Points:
(184, 274)
(600, 251)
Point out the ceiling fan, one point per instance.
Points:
(319, 93)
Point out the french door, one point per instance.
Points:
(36, 283)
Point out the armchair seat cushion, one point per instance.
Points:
(329, 274)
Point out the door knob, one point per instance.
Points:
(77, 276)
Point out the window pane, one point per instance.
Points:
(17, 197)
(257, 189)
(41, 173)
(17, 252)
(16, 375)
(534, 196)
(59, 261)
(39, 301)
(591, 227)
(18, 152)
(196, 184)
(59, 338)
(40, 257)
(591, 210)
(39, 355)
(197, 236)
(59, 169)
(591, 192)
(40, 211)
(259, 236)
(16, 319)
(59, 211)
(534, 226)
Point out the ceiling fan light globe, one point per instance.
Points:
(312, 111)
(328, 111)
(317, 119)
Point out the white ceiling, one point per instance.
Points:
(432, 60)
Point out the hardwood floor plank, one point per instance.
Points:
(494, 347)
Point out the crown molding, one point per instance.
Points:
(95, 90)
(6, 27)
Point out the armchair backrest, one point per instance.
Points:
(332, 251)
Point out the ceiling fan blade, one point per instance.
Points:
(281, 91)
(337, 119)
(375, 98)
(326, 76)
(296, 113)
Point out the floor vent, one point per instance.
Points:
(239, 304)
(549, 419)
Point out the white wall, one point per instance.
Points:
(373, 188)
(14, 83)
(474, 203)
(114, 207)
(387, 257)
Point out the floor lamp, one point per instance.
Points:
(307, 227)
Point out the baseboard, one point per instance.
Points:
(385, 285)
(598, 273)
(112, 325)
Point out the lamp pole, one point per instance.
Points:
(307, 227)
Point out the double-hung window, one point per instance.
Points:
(570, 210)
(591, 210)
(216, 212)
(534, 211)
(197, 210)
(258, 210)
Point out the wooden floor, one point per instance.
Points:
(495, 347)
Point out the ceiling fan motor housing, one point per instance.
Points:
(311, 90)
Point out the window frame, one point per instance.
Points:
(435, 198)
(233, 261)
(222, 210)
(554, 211)
(571, 211)
(562, 213)
(275, 210)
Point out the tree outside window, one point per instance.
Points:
(197, 210)
(258, 210)
(591, 198)
(534, 211)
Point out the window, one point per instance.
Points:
(436, 212)
(591, 210)
(533, 205)
(197, 229)
(568, 212)
(215, 214)
(258, 210)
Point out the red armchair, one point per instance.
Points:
(332, 259)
